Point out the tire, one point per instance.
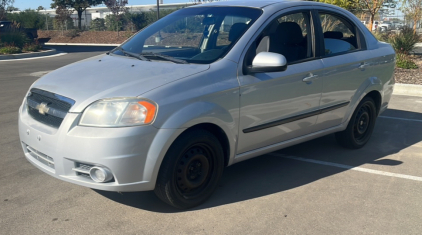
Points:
(190, 170)
(360, 127)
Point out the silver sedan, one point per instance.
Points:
(204, 88)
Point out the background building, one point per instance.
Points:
(101, 12)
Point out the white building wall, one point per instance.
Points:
(101, 12)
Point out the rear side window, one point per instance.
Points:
(339, 34)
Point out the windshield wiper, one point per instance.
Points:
(165, 57)
(138, 56)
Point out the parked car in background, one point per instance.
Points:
(375, 26)
(226, 82)
(398, 25)
(7, 26)
(385, 26)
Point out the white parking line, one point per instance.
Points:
(403, 119)
(376, 172)
(34, 58)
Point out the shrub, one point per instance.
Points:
(405, 62)
(114, 23)
(10, 49)
(72, 33)
(16, 38)
(98, 25)
(28, 19)
(405, 41)
(384, 36)
(32, 47)
(57, 25)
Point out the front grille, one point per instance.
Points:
(41, 157)
(47, 107)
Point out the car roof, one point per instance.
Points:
(243, 3)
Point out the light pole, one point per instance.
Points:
(46, 19)
(158, 9)
(158, 38)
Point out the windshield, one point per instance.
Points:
(194, 35)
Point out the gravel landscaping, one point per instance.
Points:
(105, 37)
(410, 76)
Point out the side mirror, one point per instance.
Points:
(266, 62)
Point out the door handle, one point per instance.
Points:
(363, 65)
(310, 78)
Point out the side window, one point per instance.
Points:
(230, 30)
(289, 35)
(339, 35)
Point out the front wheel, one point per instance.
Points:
(191, 169)
(360, 127)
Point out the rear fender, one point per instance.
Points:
(370, 84)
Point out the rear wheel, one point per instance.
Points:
(190, 170)
(360, 127)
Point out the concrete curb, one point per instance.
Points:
(28, 55)
(407, 89)
(80, 44)
(417, 50)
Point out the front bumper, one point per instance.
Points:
(133, 154)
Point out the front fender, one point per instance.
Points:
(206, 112)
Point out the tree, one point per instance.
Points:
(63, 14)
(116, 7)
(350, 5)
(372, 7)
(4, 4)
(79, 5)
(28, 19)
(12, 8)
(413, 10)
(40, 8)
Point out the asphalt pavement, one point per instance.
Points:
(313, 188)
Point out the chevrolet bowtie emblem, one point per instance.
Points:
(42, 108)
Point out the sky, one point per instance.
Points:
(34, 4)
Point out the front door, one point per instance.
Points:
(278, 106)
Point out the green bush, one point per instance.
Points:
(34, 47)
(405, 41)
(114, 23)
(98, 25)
(10, 49)
(405, 62)
(72, 33)
(28, 19)
(66, 26)
(17, 38)
(384, 36)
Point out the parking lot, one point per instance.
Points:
(313, 188)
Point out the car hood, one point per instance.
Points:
(108, 76)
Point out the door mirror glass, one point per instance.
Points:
(268, 62)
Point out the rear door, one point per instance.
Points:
(345, 65)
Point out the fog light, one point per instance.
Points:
(100, 174)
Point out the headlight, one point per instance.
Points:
(119, 112)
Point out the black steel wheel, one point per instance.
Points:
(360, 127)
(190, 170)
